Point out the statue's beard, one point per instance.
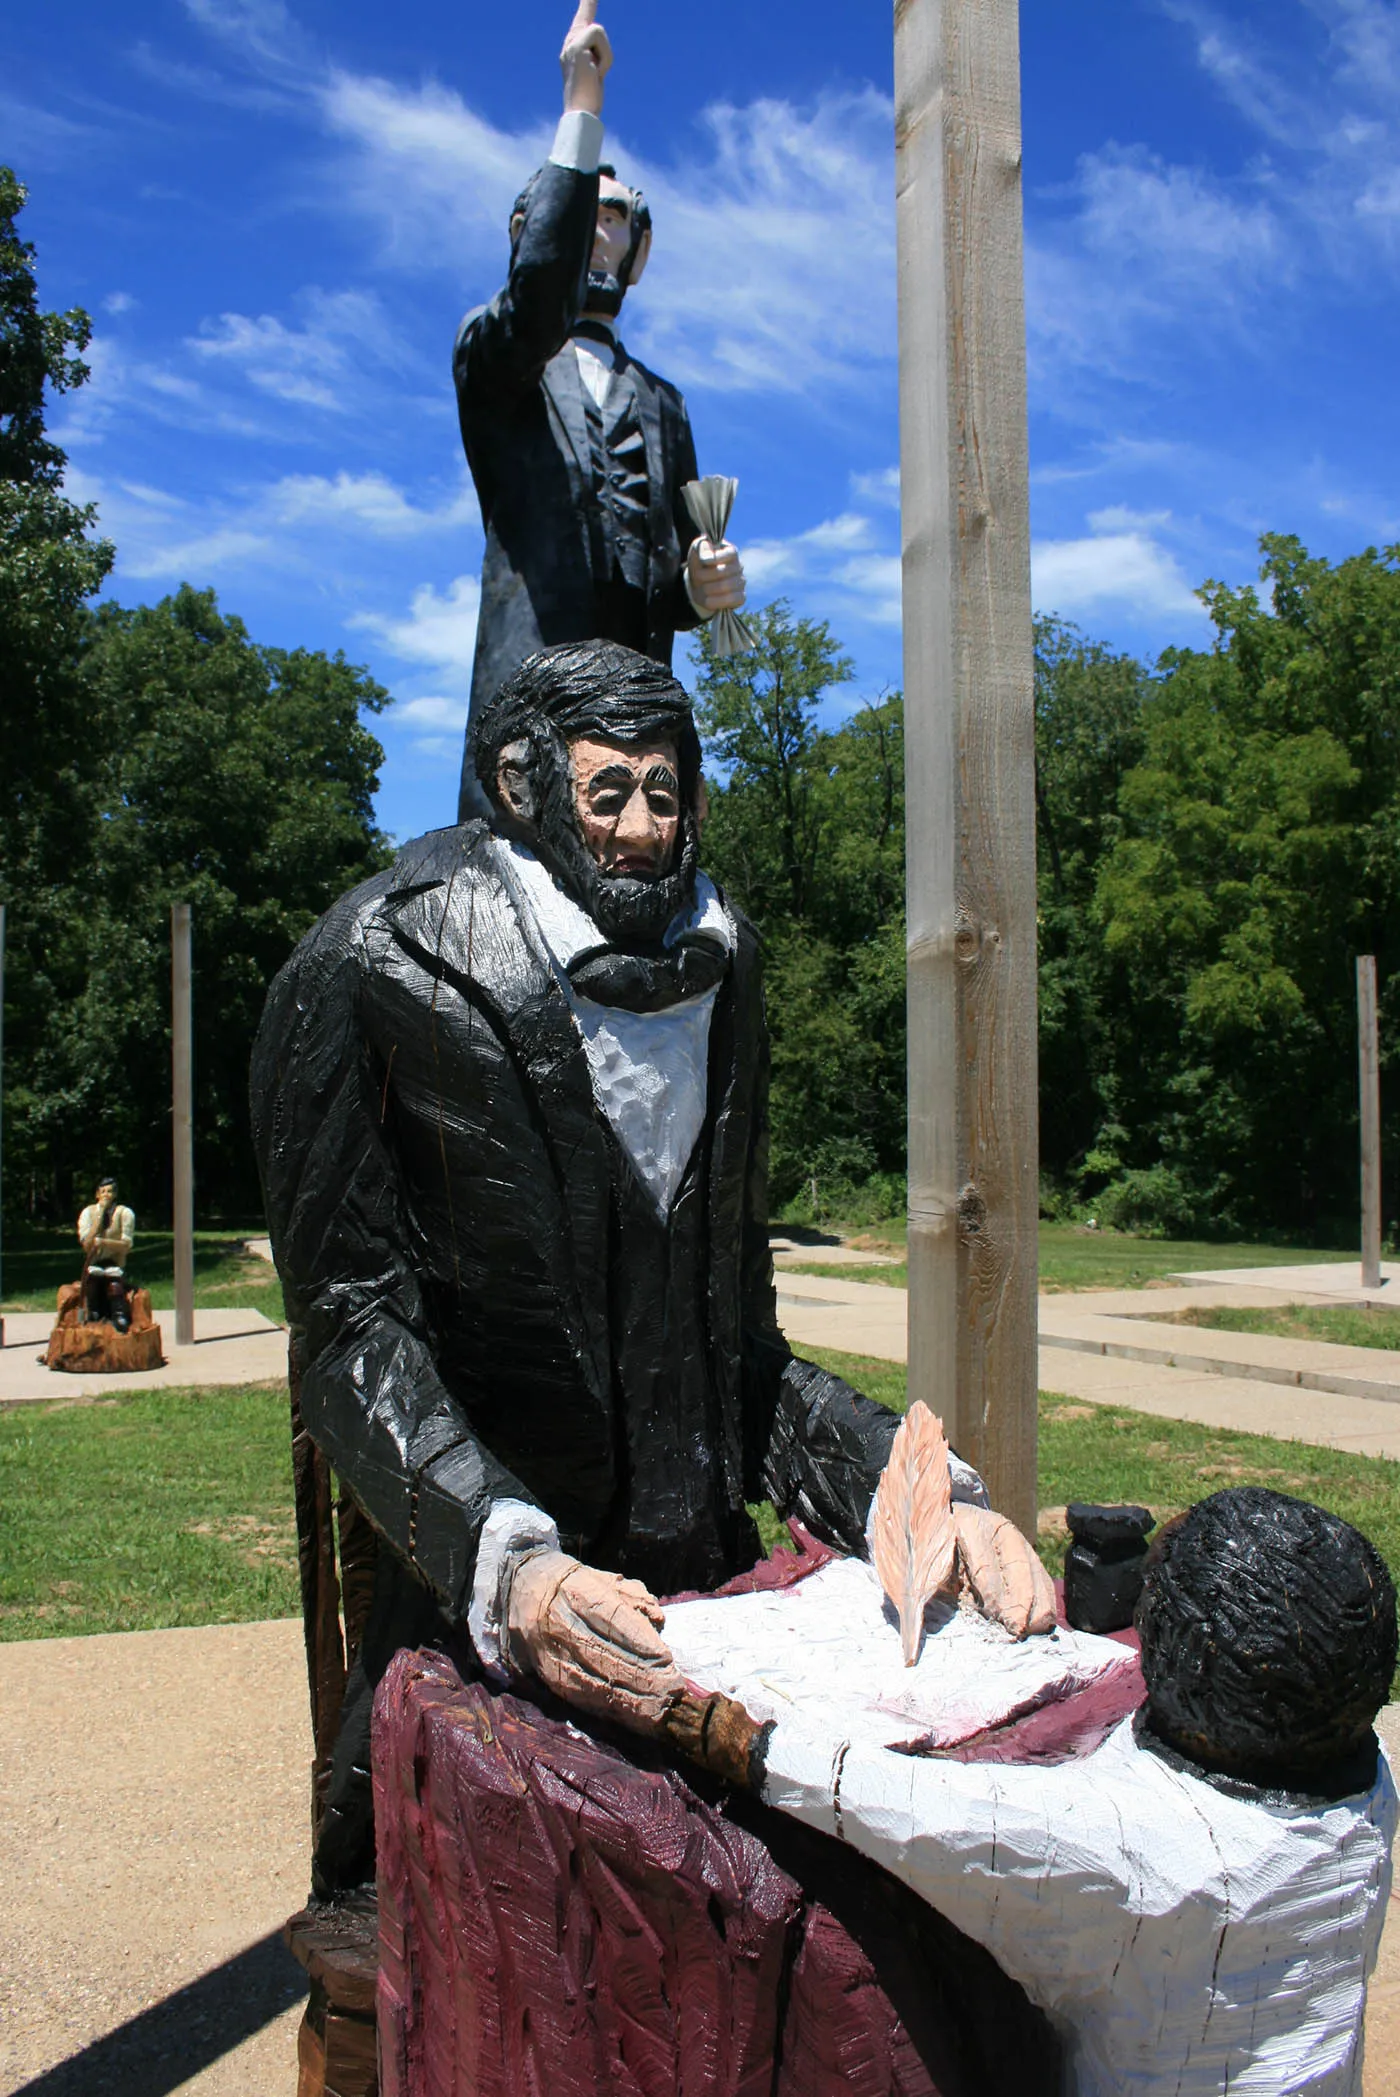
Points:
(605, 294)
(628, 909)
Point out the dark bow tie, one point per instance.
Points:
(651, 982)
(603, 338)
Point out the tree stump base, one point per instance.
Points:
(99, 1349)
(337, 2053)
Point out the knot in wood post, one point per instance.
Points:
(972, 1214)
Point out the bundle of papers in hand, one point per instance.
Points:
(709, 502)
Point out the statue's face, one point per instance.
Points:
(628, 801)
(614, 233)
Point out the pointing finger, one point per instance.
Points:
(585, 15)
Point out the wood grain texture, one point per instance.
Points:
(182, 1119)
(556, 1916)
(973, 1168)
(100, 1348)
(1370, 1077)
(915, 1544)
(320, 1593)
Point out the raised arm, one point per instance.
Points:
(503, 348)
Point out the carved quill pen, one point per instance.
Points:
(914, 1537)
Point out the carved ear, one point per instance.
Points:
(517, 221)
(634, 274)
(513, 782)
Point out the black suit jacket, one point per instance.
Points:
(521, 404)
(438, 1185)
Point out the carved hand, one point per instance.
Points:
(591, 1637)
(716, 577)
(585, 59)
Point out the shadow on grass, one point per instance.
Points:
(160, 2050)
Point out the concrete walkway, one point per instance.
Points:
(1329, 1281)
(1104, 1347)
(233, 1346)
(154, 1833)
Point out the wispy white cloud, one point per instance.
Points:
(842, 569)
(757, 298)
(205, 556)
(370, 501)
(320, 365)
(439, 630)
(1121, 567)
(260, 33)
(880, 487)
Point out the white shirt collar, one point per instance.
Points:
(569, 932)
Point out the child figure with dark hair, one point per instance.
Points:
(1198, 1904)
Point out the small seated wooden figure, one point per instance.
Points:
(102, 1324)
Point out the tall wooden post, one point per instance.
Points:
(973, 1169)
(182, 1120)
(1370, 1054)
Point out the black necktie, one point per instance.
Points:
(651, 982)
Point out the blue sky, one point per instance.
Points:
(276, 215)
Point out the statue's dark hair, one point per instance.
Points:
(1268, 1636)
(639, 220)
(581, 688)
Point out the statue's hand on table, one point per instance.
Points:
(716, 577)
(585, 59)
(591, 1637)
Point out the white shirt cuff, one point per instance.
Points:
(512, 1528)
(578, 143)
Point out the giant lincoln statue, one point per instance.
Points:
(579, 453)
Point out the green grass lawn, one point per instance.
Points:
(225, 1277)
(131, 1514)
(1072, 1257)
(1106, 1453)
(175, 1507)
(1340, 1323)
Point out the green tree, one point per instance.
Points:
(807, 832)
(1256, 856)
(239, 779)
(49, 567)
(1088, 734)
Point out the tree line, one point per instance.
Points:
(147, 756)
(1219, 837)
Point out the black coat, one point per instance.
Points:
(438, 1183)
(521, 403)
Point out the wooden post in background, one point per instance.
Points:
(182, 1120)
(973, 1124)
(1370, 1053)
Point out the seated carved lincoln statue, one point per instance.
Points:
(510, 1106)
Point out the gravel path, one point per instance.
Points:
(153, 1827)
